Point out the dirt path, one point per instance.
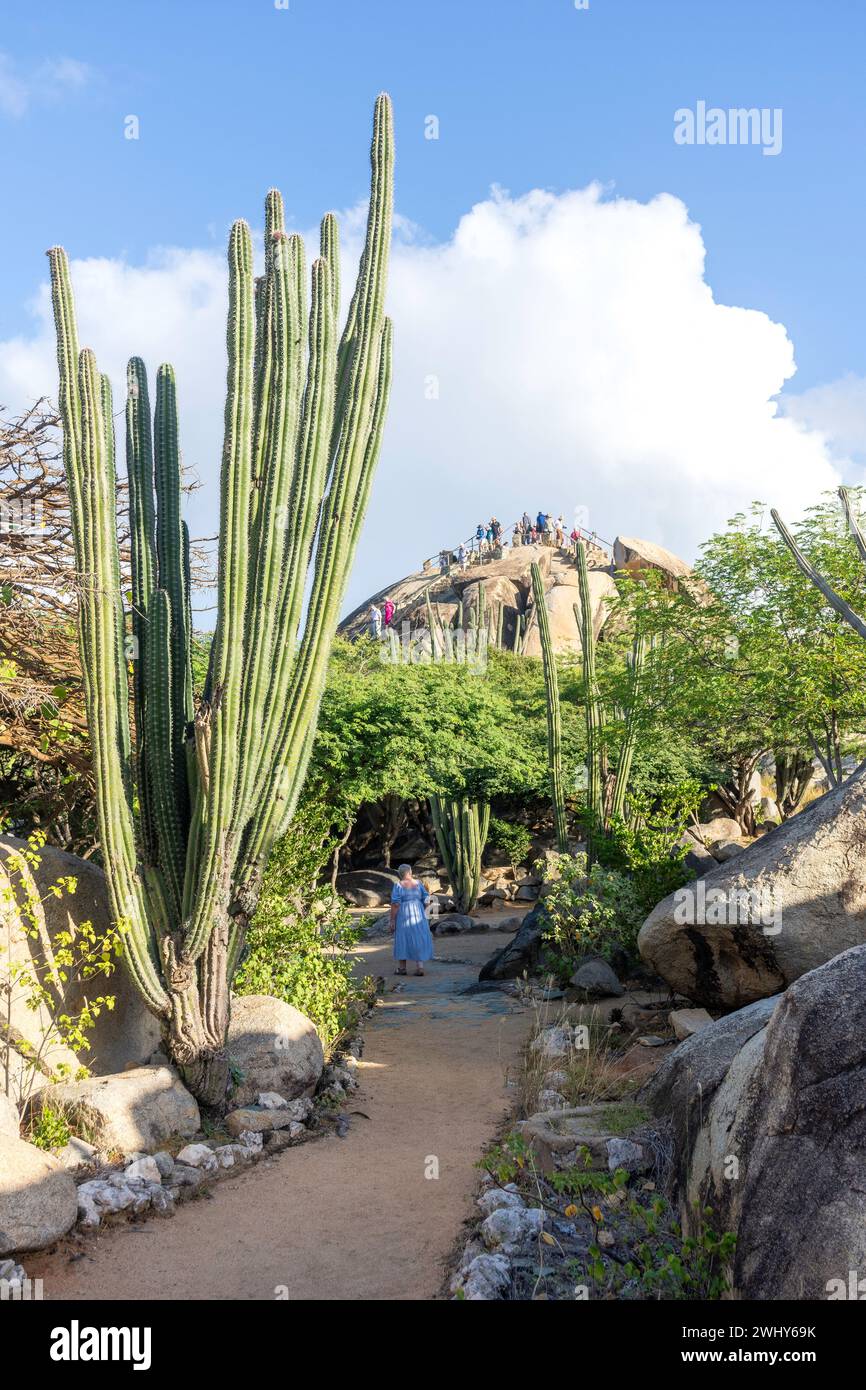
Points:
(351, 1218)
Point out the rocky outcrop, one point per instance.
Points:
(274, 1047)
(38, 1198)
(366, 887)
(522, 952)
(632, 554)
(138, 1109)
(560, 601)
(768, 1109)
(792, 900)
(506, 581)
(128, 1033)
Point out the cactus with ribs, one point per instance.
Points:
(191, 799)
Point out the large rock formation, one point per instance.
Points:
(506, 581)
(768, 1109)
(125, 1035)
(786, 904)
(633, 555)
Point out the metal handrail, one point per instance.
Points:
(470, 542)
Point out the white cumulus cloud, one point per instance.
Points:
(559, 352)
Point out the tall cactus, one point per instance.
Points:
(189, 812)
(554, 720)
(595, 753)
(461, 827)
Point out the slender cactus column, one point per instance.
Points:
(554, 719)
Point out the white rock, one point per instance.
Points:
(551, 1100)
(271, 1100)
(553, 1042)
(146, 1168)
(487, 1277)
(497, 1198)
(507, 1228)
(251, 1140)
(685, 1022)
(555, 1080)
(198, 1156)
(625, 1153)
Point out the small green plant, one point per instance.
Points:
(590, 910)
(50, 1129)
(512, 840)
(39, 979)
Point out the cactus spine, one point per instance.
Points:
(217, 785)
(554, 721)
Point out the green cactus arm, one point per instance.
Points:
(277, 516)
(208, 875)
(629, 742)
(808, 569)
(853, 524)
(329, 251)
(107, 407)
(117, 831)
(170, 566)
(163, 751)
(142, 528)
(263, 356)
(554, 718)
(300, 710)
(593, 708)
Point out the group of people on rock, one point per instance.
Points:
(545, 530)
(381, 618)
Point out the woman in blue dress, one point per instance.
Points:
(412, 939)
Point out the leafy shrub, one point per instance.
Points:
(50, 1129)
(513, 840)
(77, 954)
(646, 847)
(590, 910)
(300, 941)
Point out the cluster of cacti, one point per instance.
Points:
(554, 722)
(188, 813)
(461, 827)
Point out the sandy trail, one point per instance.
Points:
(343, 1218)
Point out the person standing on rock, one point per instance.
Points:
(412, 939)
(389, 612)
(375, 622)
(462, 556)
(527, 527)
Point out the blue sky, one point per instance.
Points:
(236, 95)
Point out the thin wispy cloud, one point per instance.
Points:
(42, 84)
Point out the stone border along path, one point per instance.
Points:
(343, 1218)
